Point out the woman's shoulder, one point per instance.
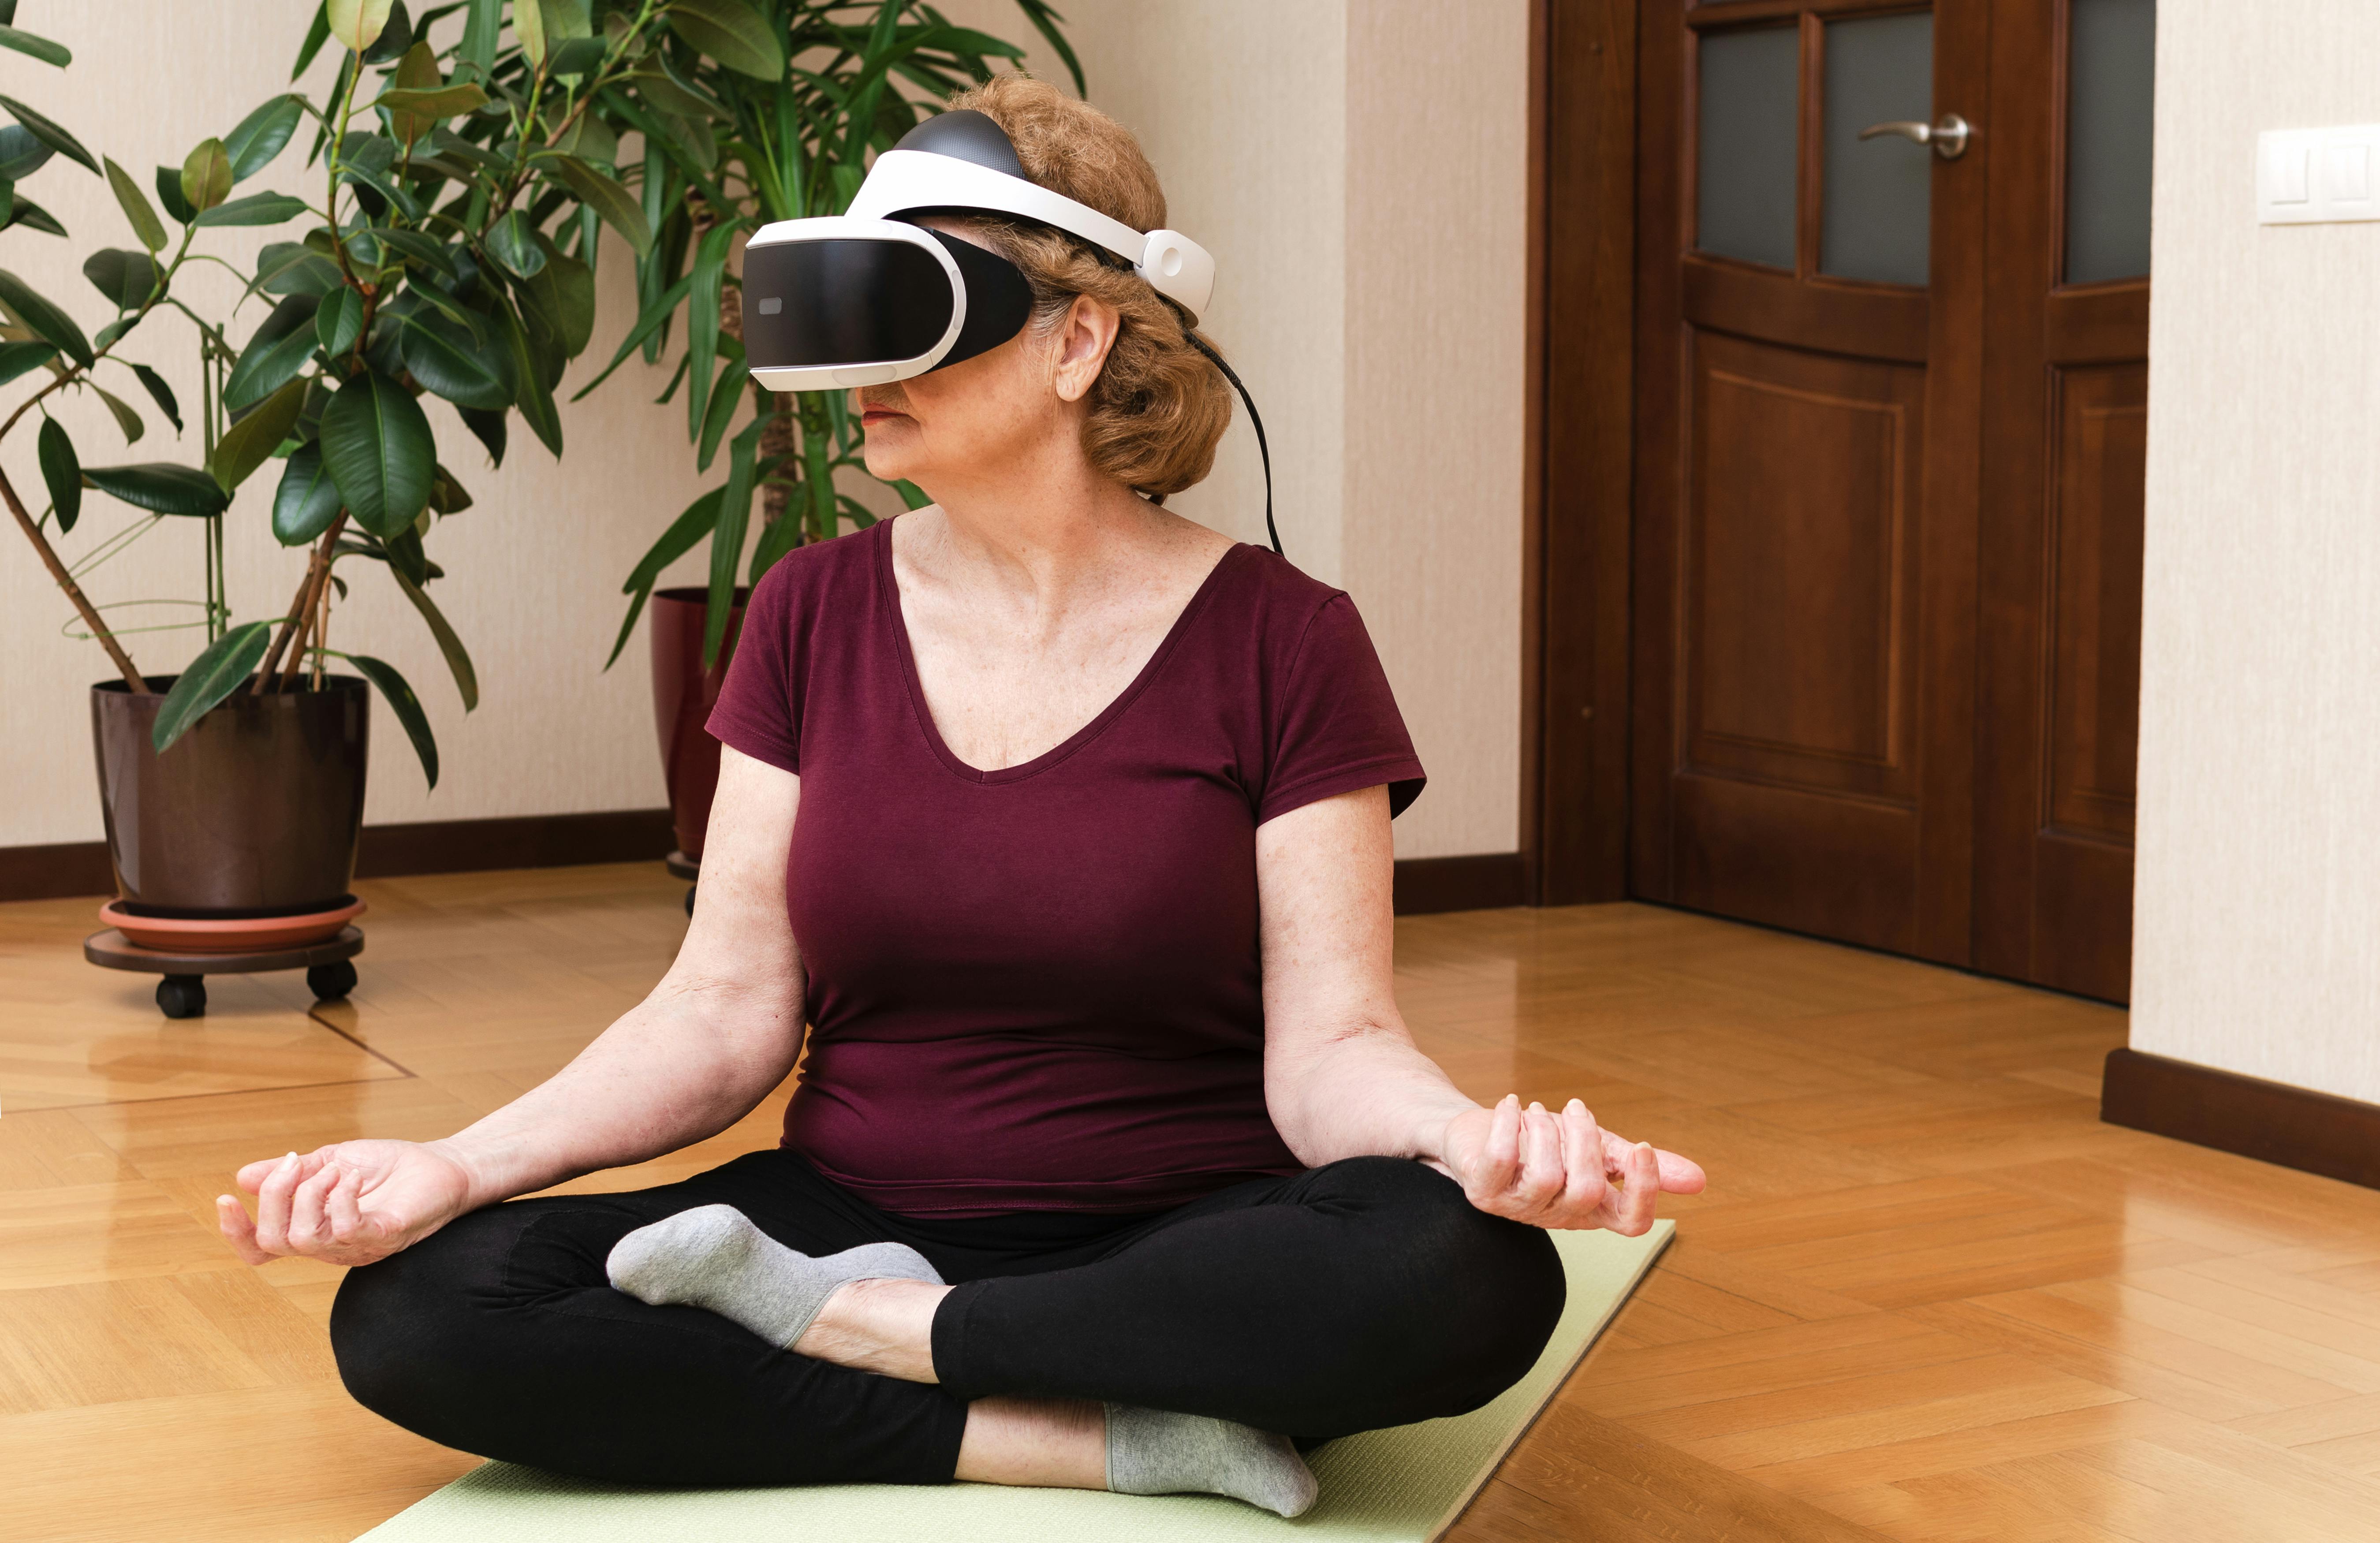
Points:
(1276, 600)
(818, 576)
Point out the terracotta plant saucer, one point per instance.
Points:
(239, 935)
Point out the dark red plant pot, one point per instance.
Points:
(684, 693)
(256, 810)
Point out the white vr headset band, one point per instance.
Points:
(1175, 266)
(903, 180)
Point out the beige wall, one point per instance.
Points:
(534, 567)
(2257, 927)
(1357, 169)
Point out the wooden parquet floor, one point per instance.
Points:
(1928, 1297)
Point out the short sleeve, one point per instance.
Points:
(758, 711)
(1335, 725)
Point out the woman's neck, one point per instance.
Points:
(1046, 536)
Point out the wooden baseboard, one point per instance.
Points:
(77, 867)
(1424, 885)
(2314, 1132)
(1490, 880)
(520, 841)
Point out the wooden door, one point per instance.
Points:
(1809, 366)
(2066, 416)
(1890, 452)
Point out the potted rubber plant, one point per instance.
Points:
(450, 253)
(749, 112)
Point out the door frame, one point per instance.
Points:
(1581, 445)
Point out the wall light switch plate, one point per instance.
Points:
(2318, 176)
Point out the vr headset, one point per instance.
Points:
(868, 297)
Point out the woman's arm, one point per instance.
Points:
(720, 1030)
(1343, 1078)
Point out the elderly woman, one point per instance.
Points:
(1063, 823)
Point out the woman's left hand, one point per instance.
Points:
(1560, 1171)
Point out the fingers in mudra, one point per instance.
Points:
(1566, 1171)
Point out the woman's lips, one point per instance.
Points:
(878, 414)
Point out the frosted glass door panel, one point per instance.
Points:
(2111, 79)
(1879, 193)
(1749, 95)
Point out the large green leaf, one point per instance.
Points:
(408, 708)
(125, 419)
(256, 209)
(159, 487)
(293, 268)
(727, 538)
(512, 241)
(488, 428)
(159, 392)
(723, 398)
(534, 399)
(478, 49)
(23, 211)
(215, 674)
(40, 48)
(610, 200)
(306, 500)
(648, 324)
(446, 359)
(702, 321)
(49, 133)
(17, 357)
(458, 658)
(394, 38)
(318, 32)
(206, 176)
(21, 154)
(563, 295)
(252, 439)
(428, 103)
(277, 350)
(528, 26)
(46, 320)
(261, 135)
(731, 32)
(145, 224)
(127, 278)
(356, 23)
(169, 195)
(61, 470)
(338, 321)
(377, 442)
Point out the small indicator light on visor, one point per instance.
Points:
(772, 305)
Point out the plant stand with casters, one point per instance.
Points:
(183, 991)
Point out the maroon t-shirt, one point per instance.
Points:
(1036, 989)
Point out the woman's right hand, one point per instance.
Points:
(349, 1203)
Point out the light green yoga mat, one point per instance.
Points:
(1404, 1485)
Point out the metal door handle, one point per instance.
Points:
(1949, 137)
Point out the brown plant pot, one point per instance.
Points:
(254, 812)
(684, 693)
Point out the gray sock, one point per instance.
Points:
(713, 1256)
(1151, 1451)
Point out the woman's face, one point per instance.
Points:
(991, 418)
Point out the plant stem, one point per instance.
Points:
(318, 570)
(73, 591)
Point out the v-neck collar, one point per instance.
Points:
(888, 588)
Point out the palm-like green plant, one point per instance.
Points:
(451, 253)
(753, 111)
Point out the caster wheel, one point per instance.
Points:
(182, 996)
(330, 982)
(689, 900)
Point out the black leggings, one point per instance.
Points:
(1364, 1293)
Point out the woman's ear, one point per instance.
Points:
(1084, 339)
